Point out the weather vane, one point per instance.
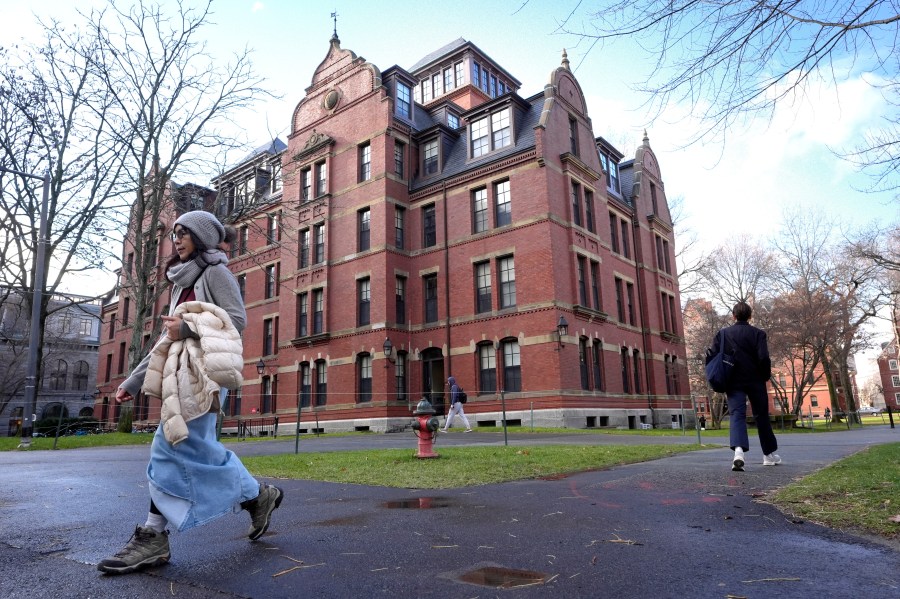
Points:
(334, 16)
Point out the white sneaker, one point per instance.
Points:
(737, 464)
(773, 459)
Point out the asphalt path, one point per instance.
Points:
(683, 526)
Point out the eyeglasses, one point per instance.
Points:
(180, 233)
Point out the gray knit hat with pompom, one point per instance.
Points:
(205, 227)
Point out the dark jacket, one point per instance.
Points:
(752, 364)
(454, 390)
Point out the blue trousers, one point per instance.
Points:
(759, 403)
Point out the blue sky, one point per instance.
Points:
(763, 167)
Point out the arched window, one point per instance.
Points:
(58, 376)
(364, 377)
(487, 368)
(512, 367)
(321, 383)
(80, 376)
(305, 385)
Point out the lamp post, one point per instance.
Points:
(29, 410)
(497, 347)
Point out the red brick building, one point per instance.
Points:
(435, 221)
(889, 373)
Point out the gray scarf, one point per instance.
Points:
(186, 274)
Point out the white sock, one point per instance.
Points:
(156, 522)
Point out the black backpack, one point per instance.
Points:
(461, 396)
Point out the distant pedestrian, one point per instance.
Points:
(456, 407)
(827, 414)
(752, 369)
(702, 422)
(192, 477)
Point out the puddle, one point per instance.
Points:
(418, 503)
(503, 578)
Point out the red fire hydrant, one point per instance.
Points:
(425, 427)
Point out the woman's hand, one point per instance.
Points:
(122, 395)
(172, 324)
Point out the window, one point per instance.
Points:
(267, 406)
(595, 285)
(399, 157)
(476, 74)
(436, 85)
(242, 285)
(272, 228)
(583, 352)
(458, 74)
(626, 378)
(814, 401)
(122, 353)
(589, 211)
(321, 383)
(431, 297)
(512, 368)
(576, 203)
(487, 368)
(484, 79)
(431, 157)
(109, 360)
(305, 184)
(400, 299)
(507, 270)
(653, 202)
(243, 240)
(597, 364)
(271, 281)
(668, 373)
(404, 108)
(452, 121)
(364, 297)
(365, 162)
(895, 380)
(318, 311)
(319, 249)
(479, 211)
(582, 285)
(625, 246)
(620, 300)
(321, 178)
(429, 226)
(629, 297)
(399, 220)
(268, 337)
(613, 179)
(400, 376)
(364, 378)
(363, 218)
(573, 136)
(503, 204)
(80, 376)
(483, 287)
(112, 325)
(126, 308)
(58, 376)
(84, 325)
(448, 78)
(426, 91)
(304, 248)
(666, 256)
(303, 315)
(614, 232)
(305, 384)
(491, 133)
(636, 355)
(493, 86)
(892, 364)
(277, 182)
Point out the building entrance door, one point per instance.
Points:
(433, 378)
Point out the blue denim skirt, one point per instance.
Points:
(197, 480)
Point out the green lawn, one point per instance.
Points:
(858, 493)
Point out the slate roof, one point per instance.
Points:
(457, 43)
(456, 157)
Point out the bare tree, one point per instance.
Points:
(692, 260)
(730, 59)
(115, 106)
(739, 270)
(701, 323)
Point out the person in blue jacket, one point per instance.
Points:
(752, 369)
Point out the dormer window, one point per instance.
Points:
(431, 157)
(490, 133)
(404, 108)
(452, 121)
(611, 167)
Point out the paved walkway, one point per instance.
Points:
(684, 526)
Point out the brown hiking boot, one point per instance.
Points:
(145, 549)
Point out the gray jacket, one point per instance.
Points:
(216, 285)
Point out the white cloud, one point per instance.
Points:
(258, 6)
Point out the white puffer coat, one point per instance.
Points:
(187, 374)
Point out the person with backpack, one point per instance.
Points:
(456, 406)
(747, 381)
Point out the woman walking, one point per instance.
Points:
(192, 477)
